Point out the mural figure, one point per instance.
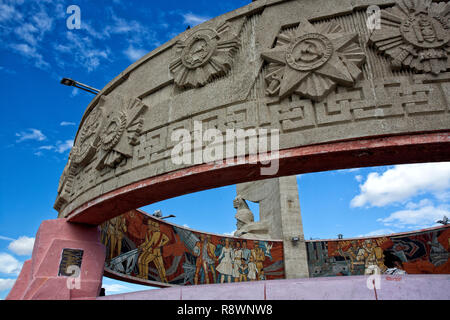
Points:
(438, 254)
(243, 270)
(226, 258)
(151, 251)
(373, 258)
(237, 262)
(252, 269)
(351, 253)
(259, 256)
(245, 252)
(115, 229)
(204, 250)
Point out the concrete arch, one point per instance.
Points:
(353, 106)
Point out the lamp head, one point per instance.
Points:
(67, 82)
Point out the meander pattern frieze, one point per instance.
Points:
(120, 143)
(393, 98)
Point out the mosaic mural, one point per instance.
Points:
(423, 252)
(145, 248)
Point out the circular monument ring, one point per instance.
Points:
(368, 109)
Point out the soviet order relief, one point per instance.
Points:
(416, 35)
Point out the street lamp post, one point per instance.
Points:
(72, 83)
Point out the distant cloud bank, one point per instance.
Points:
(22, 246)
(402, 182)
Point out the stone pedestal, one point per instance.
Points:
(67, 263)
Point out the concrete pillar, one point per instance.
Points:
(295, 255)
(279, 205)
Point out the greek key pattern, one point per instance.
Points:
(400, 97)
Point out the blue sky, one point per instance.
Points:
(40, 118)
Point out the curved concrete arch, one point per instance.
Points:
(316, 75)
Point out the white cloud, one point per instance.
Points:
(6, 284)
(134, 31)
(46, 148)
(30, 53)
(32, 34)
(8, 13)
(9, 264)
(115, 288)
(346, 170)
(7, 70)
(443, 196)
(60, 146)
(102, 35)
(403, 182)
(32, 134)
(85, 54)
(60, 11)
(378, 232)
(63, 147)
(359, 178)
(416, 215)
(75, 92)
(27, 32)
(22, 246)
(6, 238)
(123, 26)
(193, 19)
(422, 203)
(134, 54)
(231, 234)
(33, 30)
(67, 123)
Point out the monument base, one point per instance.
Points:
(404, 287)
(67, 263)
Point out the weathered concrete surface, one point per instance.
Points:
(362, 153)
(295, 255)
(40, 279)
(311, 69)
(407, 287)
(279, 207)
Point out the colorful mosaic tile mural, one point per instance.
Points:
(421, 252)
(143, 249)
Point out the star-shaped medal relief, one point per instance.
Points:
(120, 130)
(415, 35)
(311, 61)
(205, 55)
